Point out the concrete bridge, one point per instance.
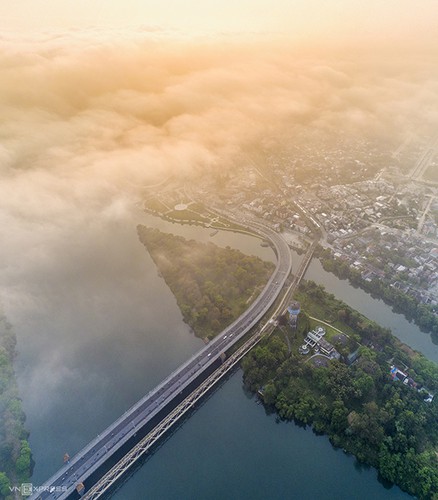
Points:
(160, 403)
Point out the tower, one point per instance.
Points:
(293, 310)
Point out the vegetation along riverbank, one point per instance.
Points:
(213, 286)
(423, 315)
(372, 395)
(15, 454)
(353, 381)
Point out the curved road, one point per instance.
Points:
(92, 456)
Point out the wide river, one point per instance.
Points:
(95, 338)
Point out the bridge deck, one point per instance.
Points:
(86, 462)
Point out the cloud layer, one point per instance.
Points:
(88, 120)
(121, 112)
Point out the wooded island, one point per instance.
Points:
(375, 398)
(375, 401)
(213, 286)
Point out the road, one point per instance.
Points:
(425, 160)
(100, 449)
(422, 219)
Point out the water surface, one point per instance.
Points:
(100, 330)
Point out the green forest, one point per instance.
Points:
(212, 285)
(15, 454)
(383, 422)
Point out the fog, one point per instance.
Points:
(90, 119)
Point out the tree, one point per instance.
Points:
(364, 384)
(339, 416)
(270, 393)
(5, 485)
(389, 464)
(23, 463)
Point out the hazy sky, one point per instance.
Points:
(329, 19)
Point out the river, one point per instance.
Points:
(94, 340)
(374, 309)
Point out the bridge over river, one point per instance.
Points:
(98, 465)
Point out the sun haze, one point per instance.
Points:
(323, 20)
(102, 101)
(99, 98)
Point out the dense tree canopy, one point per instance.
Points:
(212, 285)
(15, 454)
(383, 422)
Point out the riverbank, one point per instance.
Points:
(213, 286)
(423, 315)
(374, 309)
(119, 323)
(356, 400)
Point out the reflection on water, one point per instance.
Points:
(230, 449)
(101, 328)
(374, 309)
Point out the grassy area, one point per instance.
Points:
(324, 310)
(187, 215)
(155, 205)
(195, 213)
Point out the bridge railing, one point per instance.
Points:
(263, 231)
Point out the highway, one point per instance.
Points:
(63, 483)
(425, 160)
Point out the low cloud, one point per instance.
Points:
(87, 121)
